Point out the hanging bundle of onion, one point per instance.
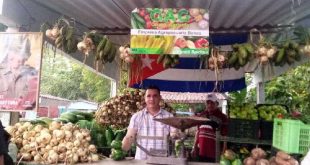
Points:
(125, 54)
(58, 143)
(117, 111)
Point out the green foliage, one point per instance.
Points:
(63, 78)
(180, 107)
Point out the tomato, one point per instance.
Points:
(202, 43)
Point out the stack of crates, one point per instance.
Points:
(291, 136)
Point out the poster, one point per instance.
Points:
(20, 63)
(169, 31)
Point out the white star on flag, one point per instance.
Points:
(147, 62)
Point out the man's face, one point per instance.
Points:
(152, 98)
(211, 105)
(16, 60)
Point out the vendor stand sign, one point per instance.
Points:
(20, 63)
(170, 31)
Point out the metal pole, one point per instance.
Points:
(260, 90)
(217, 145)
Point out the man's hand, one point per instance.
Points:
(194, 152)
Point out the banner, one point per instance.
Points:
(20, 63)
(169, 31)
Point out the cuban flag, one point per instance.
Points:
(187, 76)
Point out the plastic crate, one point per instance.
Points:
(266, 130)
(241, 128)
(304, 139)
(291, 136)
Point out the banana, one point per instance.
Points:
(168, 44)
(149, 42)
(243, 52)
(133, 42)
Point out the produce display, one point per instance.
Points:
(53, 143)
(240, 55)
(229, 157)
(117, 111)
(259, 157)
(269, 112)
(62, 33)
(247, 111)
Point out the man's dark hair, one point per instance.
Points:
(153, 87)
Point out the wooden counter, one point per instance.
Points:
(139, 162)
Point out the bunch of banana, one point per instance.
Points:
(240, 55)
(164, 43)
(168, 60)
(63, 37)
(288, 53)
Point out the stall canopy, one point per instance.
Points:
(230, 22)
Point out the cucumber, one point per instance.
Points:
(138, 18)
(134, 23)
(109, 135)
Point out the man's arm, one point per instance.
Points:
(1, 160)
(128, 139)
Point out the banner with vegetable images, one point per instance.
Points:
(170, 31)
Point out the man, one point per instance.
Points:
(146, 131)
(16, 78)
(205, 138)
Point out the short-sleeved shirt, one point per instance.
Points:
(206, 135)
(144, 125)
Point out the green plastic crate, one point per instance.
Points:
(304, 139)
(286, 135)
(291, 136)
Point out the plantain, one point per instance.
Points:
(70, 31)
(167, 61)
(101, 44)
(111, 54)
(241, 60)
(233, 58)
(107, 47)
(249, 48)
(58, 40)
(243, 52)
(280, 56)
(160, 58)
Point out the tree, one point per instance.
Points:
(64, 78)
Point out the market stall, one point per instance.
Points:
(193, 60)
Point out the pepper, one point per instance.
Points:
(117, 154)
(202, 43)
(116, 144)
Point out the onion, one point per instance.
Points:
(92, 148)
(203, 24)
(55, 32)
(48, 33)
(94, 157)
(81, 46)
(249, 161)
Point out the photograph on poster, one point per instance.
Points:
(20, 63)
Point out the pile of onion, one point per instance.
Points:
(52, 33)
(54, 144)
(265, 53)
(86, 45)
(117, 111)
